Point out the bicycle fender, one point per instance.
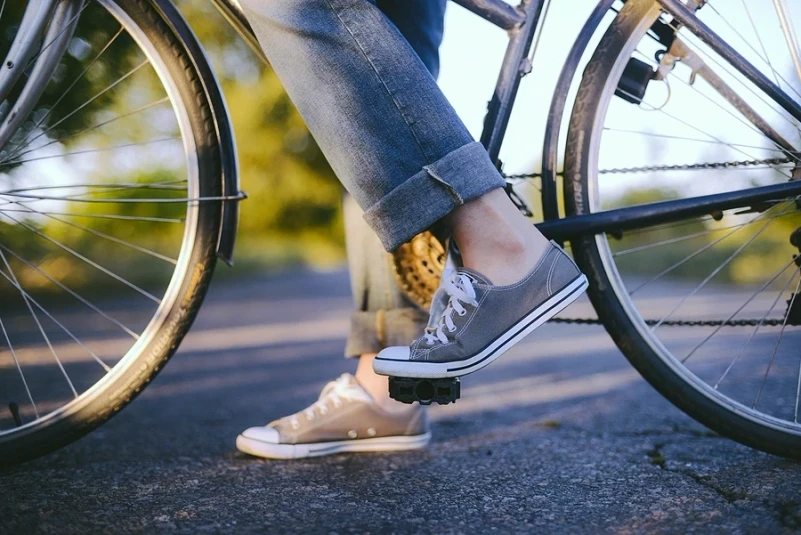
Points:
(550, 149)
(229, 221)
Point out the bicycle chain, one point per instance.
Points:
(773, 322)
(679, 167)
(691, 167)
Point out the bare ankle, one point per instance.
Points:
(377, 386)
(495, 239)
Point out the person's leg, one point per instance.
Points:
(400, 149)
(391, 136)
(383, 316)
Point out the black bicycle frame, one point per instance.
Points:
(521, 23)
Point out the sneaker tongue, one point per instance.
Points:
(475, 276)
(347, 379)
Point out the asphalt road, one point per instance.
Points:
(559, 436)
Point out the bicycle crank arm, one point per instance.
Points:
(658, 213)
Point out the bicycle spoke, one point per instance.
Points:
(89, 129)
(797, 394)
(66, 26)
(103, 235)
(729, 144)
(71, 292)
(789, 34)
(15, 283)
(127, 200)
(776, 76)
(714, 273)
(701, 131)
(778, 342)
(75, 81)
(708, 58)
(701, 250)
(19, 368)
(87, 260)
(82, 106)
(27, 296)
(740, 309)
(94, 189)
(170, 184)
(678, 239)
(758, 326)
(88, 151)
(101, 216)
(765, 57)
(693, 139)
(666, 226)
(739, 118)
(751, 127)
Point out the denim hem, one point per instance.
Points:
(431, 194)
(373, 330)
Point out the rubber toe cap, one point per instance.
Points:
(395, 353)
(263, 434)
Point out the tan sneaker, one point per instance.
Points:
(345, 418)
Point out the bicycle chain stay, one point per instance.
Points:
(773, 322)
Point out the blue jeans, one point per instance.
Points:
(374, 108)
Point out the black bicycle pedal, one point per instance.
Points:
(424, 391)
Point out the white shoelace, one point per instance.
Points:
(459, 289)
(334, 392)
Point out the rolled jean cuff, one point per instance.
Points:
(431, 194)
(371, 331)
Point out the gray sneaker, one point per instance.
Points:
(344, 418)
(482, 321)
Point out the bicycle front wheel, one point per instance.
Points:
(110, 207)
(708, 309)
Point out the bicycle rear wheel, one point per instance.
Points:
(707, 309)
(110, 207)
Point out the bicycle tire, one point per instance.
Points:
(696, 399)
(124, 384)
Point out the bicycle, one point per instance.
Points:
(167, 208)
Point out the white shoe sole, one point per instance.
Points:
(299, 451)
(421, 369)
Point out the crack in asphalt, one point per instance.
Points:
(788, 512)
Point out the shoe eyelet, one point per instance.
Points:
(323, 411)
(352, 433)
(371, 431)
(462, 313)
(452, 330)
